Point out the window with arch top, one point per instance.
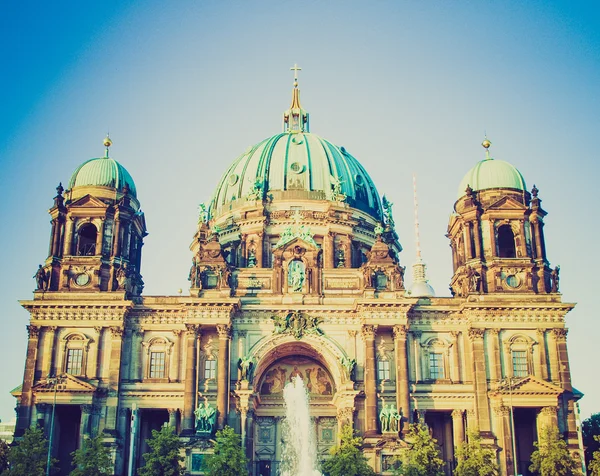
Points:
(86, 240)
(75, 352)
(158, 351)
(506, 242)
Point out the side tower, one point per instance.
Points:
(97, 232)
(496, 233)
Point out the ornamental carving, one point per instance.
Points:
(116, 331)
(224, 331)
(501, 410)
(192, 329)
(476, 333)
(560, 333)
(296, 324)
(549, 411)
(33, 331)
(400, 332)
(368, 331)
(458, 413)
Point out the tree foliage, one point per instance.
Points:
(164, 458)
(594, 464)
(590, 428)
(552, 456)
(28, 457)
(423, 458)
(474, 459)
(228, 458)
(3, 456)
(347, 458)
(92, 459)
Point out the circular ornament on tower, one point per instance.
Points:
(513, 281)
(82, 279)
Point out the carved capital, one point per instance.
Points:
(192, 329)
(549, 411)
(368, 331)
(51, 329)
(173, 412)
(345, 414)
(560, 334)
(242, 333)
(416, 335)
(457, 413)
(400, 331)
(493, 332)
(98, 329)
(540, 332)
(224, 331)
(116, 331)
(177, 332)
(33, 331)
(352, 333)
(475, 333)
(87, 409)
(501, 410)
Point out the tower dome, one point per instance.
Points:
(297, 165)
(490, 173)
(102, 172)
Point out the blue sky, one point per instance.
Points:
(407, 87)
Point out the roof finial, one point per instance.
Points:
(107, 144)
(417, 237)
(295, 69)
(486, 145)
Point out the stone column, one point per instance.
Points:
(368, 333)
(48, 352)
(402, 389)
(114, 371)
(117, 236)
(68, 242)
(24, 408)
(190, 387)
(553, 357)
(495, 365)
(260, 246)
(99, 237)
(480, 380)
(564, 373)
(329, 261)
(456, 364)
(542, 362)
(56, 225)
(224, 331)
(467, 237)
(492, 238)
(547, 417)
(421, 416)
(176, 364)
(84, 424)
(504, 434)
(345, 416)
(458, 427)
(477, 235)
(416, 341)
(472, 423)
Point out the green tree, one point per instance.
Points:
(423, 456)
(3, 456)
(594, 464)
(92, 459)
(590, 428)
(474, 459)
(29, 456)
(228, 458)
(164, 458)
(552, 456)
(347, 458)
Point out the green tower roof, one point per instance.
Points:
(491, 173)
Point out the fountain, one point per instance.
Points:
(300, 451)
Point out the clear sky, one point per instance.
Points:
(407, 87)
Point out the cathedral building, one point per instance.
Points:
(296, 271)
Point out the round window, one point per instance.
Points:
(513, 281)
(82, 279)
(297, 168)
(233, 178)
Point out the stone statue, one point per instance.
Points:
(251, 258)
(387, 206)
(202, 213)
(205, 418)
(349, 366)
(296, 278)
(474, 280)
(341, 257)
(555, 278)
(246, 366)
(384, 419)
(389, 419)
(41, 279)
(368, 275)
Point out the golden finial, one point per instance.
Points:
(295, 69)
(486, 145)
(107, 143)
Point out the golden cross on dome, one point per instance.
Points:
(295, 69)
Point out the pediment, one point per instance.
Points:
(88, 201)
(70, 384)
(308, 245)
(530, 385)
(506, 203)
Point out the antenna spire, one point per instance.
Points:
(416, 202)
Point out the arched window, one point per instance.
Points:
(86, 240)
(75, 349)
(506, 242)
(158, 351)
(437, 356)
(520, 356)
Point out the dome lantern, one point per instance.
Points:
(295, 119)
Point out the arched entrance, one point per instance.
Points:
(279, 361)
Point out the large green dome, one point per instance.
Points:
(491, 173)
(103, 172)
(297, 165)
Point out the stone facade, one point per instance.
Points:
(298, 286)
